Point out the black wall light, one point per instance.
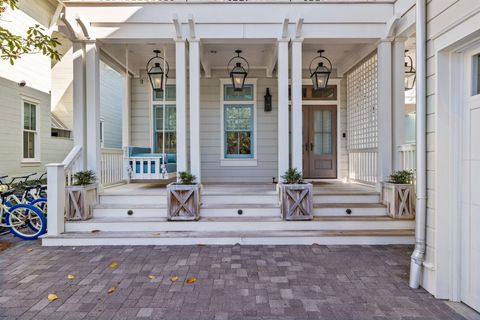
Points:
(268, 101)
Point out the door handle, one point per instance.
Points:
(311, 146)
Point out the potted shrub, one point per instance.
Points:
(399, 195)
(296, 201)
(81, 196)
(183, 198)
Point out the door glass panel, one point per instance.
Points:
(322, 134)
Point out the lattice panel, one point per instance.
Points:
(362, 105)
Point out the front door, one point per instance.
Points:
(320, 142)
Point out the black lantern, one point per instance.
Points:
(410, 74)
(268, 101)
(322, 72)
(156, 74)
(238, 73)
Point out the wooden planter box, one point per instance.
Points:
(400, 200)
(183, 201)
(79, 201)
(296, 201)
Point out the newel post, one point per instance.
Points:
(56, 198)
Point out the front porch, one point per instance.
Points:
(136, 214)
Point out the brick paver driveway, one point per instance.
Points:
(232, 282)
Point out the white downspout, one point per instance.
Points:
(418, 254)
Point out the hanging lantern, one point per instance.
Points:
(410, 73)
(238, 73)
(321, 74)
(155, 72)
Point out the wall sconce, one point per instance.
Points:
(268, 101)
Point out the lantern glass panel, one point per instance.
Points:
(156, 77)
(238, 75)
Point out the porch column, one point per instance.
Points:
(181, 84)
(384, 90)
(297, 141)
(283, 134)
(79, 110)
(398, 87)
(195, 108)
(93, 108)
(126, 123)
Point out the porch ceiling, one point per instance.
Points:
(259, 54)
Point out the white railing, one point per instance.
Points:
(111, 166)
(143, 168)
(362, 165)
(72, 164)
(408, 156)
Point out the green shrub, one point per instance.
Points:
(83, 178)
(185, 177)
(402, 177)
(292, 176)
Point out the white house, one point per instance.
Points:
(347, 139)
(30, 134)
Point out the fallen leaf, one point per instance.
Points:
(156, 234)
(4, 245)
(173, 278)
(114, 264)
(52, 297)
(70, 277)
(152, 277)
(191, 280)
(29, 250)
(111, 290)
(95, 231)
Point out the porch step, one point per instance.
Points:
(208, 210)
(357, 209)
(370, 197)
(241, 198)
(299, 237)
(131, 224)
(134, 198)
(119, 210)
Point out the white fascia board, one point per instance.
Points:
(246, 13)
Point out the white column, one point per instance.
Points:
(384, 109)
(93, 108)
(56, 199)
(398, 88)
(195, 108)
(79, 110)
(283, 134)
(126, 116)
(297, 127)
(181, 85)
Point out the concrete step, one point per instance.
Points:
(346, 198)
(132, 199)
(137, 210)
(132, 223)
(296, 237)
(250, 198)
(357, 209)
(247, 210)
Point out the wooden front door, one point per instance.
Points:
(320, 142)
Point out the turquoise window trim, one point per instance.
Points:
(239, 96)
(251, 131)
(159, 107)
(170, 89)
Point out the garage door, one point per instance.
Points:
(470, 242)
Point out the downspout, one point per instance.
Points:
(418, 254)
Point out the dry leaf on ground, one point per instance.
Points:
(52, 297)
(191, 280)
(70, 277)
(152, 277)
(111, 290)
(29, 250)
(114, 264)
(173, 278)
(4, 245)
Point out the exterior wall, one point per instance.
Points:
(342, 152)
(62, 90)
(111, 102)
(52, 149)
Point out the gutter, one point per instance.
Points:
(418, 255)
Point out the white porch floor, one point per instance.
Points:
(135, 213)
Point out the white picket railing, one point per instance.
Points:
(408, 156)
(72, 164)
(362, 165)
(112, 166)
(143, 168)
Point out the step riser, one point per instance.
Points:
(373, 212)
(144, 200)
(355, 240)
(346, 199)
(248, 212)
(237, 199)
(137, 213)
(237, 226)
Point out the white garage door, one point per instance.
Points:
(470, 242)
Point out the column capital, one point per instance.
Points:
(400, 39)
(387, 39)
(193, 40)
(179, 40)
(283, 40)
(298, 40)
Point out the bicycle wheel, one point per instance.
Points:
(40, 203)
(26, 221)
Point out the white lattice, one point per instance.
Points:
(362, 120)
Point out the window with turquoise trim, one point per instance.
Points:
(231, 95)
(171, 93)
(238, 125)
(170, 129)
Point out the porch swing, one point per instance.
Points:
(144, 163)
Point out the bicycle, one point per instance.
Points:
(23, 220)
(23, 191)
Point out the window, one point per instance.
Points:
(102, 133)
(238, 124)
(170, 129)
(30, 131)
(238, 131)
(476, 75)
